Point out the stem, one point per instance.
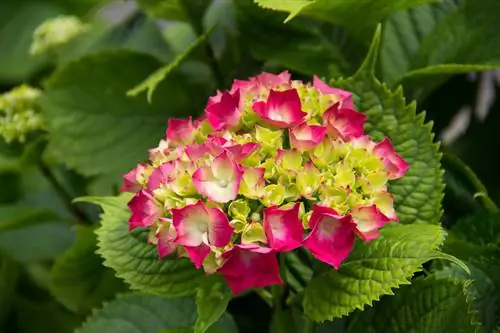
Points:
(265, 295)
(214, 65)
(309, 326)
(63, 195)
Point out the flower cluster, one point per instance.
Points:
(56, 32)
(274, 164)
(18, 113)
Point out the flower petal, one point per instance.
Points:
(283, 108)
(332, 236)
(226, 112)
(369, 220)
(180, 132)
(132, 180)
(283, 228)
(253, 183)
(197, 254)
(345, 96)
(250, 266)
(166, 236)
(219, 229)
(395, 165)
(344, 123)
(304, 136)
(191, 224)
(160, 176)
(145, 211)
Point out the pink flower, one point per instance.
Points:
(345, 96)
(166, 238)
(368, 220)
(332, 236)
(197, 227)
(395, 165)
(305, 136)
(180, 132)
(220, 181)
(283, 228)
(225, 113)
(239, 152)
(145, 210)
(160, 175)
(262, 82)
(132, 179)
(250, 266)
(283, 108)
(344, 123)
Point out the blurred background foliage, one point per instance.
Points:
(443, 53)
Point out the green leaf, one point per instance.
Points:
(480, 229)
(372, 270)
(300, 45)
(418, 195)
(177, 10)
(15, 217)
(8, 281)
(212, 298)
(360, 16)
(153, 80)
(136, 261)
(143, 313)
(437, 39)
(428, 305)
(78, 279)
(94, 128)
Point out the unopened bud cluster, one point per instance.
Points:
(18, 113)
(55, 32)
(274, 164)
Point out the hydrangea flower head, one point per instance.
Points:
(274, 164)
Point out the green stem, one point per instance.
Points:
(265, 295)
(63, 195)
(309, 326)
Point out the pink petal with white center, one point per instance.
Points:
(132, 179)
(197, 224)
(304, 137)
(395, 165)
(283, 109)
(196, 151)
(345, 96)
(166, 239)
(145, 210)
(332, 236)
(249, 266)
(197, 254)
(283, 228)
(226, 113)
(160, 175)
(239, 152)
(369, 220)
(180, 132)
(220, 181)
(344, 123)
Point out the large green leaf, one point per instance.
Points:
(428, 305)
(136, 261)
(442, 38)
(143, 313)
(372, 270)
(419, 193)
(94, 127)
(359, 16)
(8, 280)
(212, 298)
(480, 229)
(300, 45)
(78, 278)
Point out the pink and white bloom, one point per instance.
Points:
(345, 96)
(226, 113)
(161, 175)
(304, 136)
(250, 266)
(165, 236)
(332, 236)
(262, 82)
(368, 220)
(283, 109)
(180, 132)
(395, 165)
(132, 181)
(344, 123)
(283, 228)
(145, 210)
(197, 227)
(220, 181)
